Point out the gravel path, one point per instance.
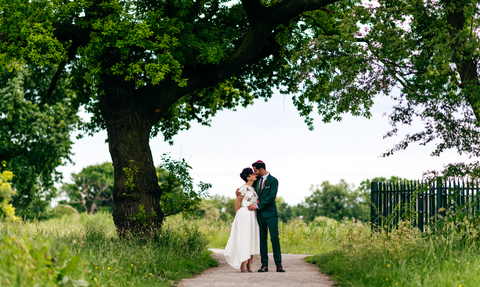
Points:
(298, 273)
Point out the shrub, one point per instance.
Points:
(63, 209)
(60, 251)
(39, 262)
(7, 211)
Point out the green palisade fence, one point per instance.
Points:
(420, 201)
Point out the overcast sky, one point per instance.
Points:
(275, 133)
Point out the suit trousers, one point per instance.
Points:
(265, 225)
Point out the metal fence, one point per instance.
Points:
(420, 201)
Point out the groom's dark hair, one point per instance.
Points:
(259, 164)
(246, 172)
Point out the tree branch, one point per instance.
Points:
(212, 12)
(254, 9)
(317, 24)
(263, 21)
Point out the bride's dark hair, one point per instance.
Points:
(246, 172)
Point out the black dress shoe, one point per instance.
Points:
(263, 269)
(280, 269)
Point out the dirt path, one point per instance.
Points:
(299, 273)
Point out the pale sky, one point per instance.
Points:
(275, 133)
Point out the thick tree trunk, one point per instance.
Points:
(137, 207)
(463, 55)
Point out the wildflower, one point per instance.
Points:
(388, 265)
(95, 279)
(131, 264)
(386, 279)
(151, 275)
(108, 268)
(146, 275)
(96, 267)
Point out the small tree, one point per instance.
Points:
(284, 211)
(223, 204)
(91, 188)
(177, 188)
(34, 139)
(336, 201)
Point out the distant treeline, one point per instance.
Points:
(335, 201)
(91, 190)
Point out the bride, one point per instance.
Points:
(244, 241)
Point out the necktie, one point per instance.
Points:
(260, 186)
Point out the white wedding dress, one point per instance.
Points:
(244, 238)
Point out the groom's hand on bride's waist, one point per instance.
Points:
(238, 193)
(252, 207)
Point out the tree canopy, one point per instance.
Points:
(34, 138)
(430, 49)
(147, 67)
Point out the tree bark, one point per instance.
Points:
(129, 124)
(463, 56)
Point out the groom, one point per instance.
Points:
(267, 186)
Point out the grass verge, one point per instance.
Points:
(83, 250)
(355, 256)
(402, 257)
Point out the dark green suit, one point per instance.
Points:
(268, 219)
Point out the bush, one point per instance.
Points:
(64, 251)
(63, 210)
(322, 221)
(7, 211)
(39, 262)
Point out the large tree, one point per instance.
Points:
(429, 49)
(149, 66)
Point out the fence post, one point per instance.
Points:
(420, 207)
(374, 197)
(441, 202)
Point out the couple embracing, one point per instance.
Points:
(255, 215)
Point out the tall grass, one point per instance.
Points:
(402, 257)
(355, 256)
(83, 250)
(76, 250)
(296, 237)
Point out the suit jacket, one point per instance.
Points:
(267, 205)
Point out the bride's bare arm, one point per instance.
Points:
(238, 203)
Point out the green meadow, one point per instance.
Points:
(353, 255)
(83, 250)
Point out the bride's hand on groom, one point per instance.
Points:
(252, 207)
